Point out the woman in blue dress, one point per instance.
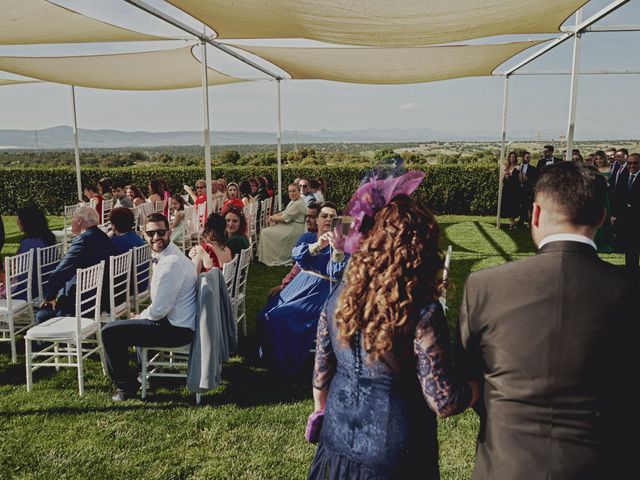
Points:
(287, 325)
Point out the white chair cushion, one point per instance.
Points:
(61, 327)
(16, 305)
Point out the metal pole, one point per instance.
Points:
(207, 139)
(505, 102)
(574, 87)
(76, 145)
(279, 147)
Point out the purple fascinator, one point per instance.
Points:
(375, 192)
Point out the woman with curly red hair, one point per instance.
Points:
(383, 355)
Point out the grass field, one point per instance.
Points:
(251, 427)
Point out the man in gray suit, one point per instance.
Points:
(551, 336)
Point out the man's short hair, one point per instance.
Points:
(88, 214)
(577, 190)
(549, 147)
(122, 218)
(624, 151)
(118, 184)
(329, 205)
(314, 206)
(157, 217)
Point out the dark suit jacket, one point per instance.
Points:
(626, 209)
(528, 185)
(86, 250)
(549, 335)
(543, 163)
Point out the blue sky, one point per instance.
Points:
(608, 106)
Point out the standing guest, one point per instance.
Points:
(213, 252)
(92, 195)
(169, 321)
(136, 196)
(256, 192)
(618, 167)
(277, 240)
(245, 192)
(626, 212)
(547, 157)
(236, 230)
(89, 247)
(382, 361)
(315, 187)
(178, 224)
(601, 163)
(287, 325)
(122, 223)
(611, 153)
(104, 188)
(590, 159)
(223, 187)
(118, 189)
(604, 236)
(511, 201)
(305, 191)
(233, 199)
(311, 223)
(553, 357)
(33, 224)
(527, 176)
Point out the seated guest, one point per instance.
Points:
(104, 188)
(123, 238)
(89, 246)
(118, 189)
(136, 196)
(178, 224)
(91, 192)
(217, 194)
(199, 195)
(245, 192)
(34, 225)
(213, 252)
(233, 199)
(311, 221)
(156, 191)
(268, 184)
(169, 321)
(257, 193)
(316, 189)
(287, 325)
(276, 241)
(305, 191)
(236, 230)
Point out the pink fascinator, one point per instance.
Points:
(373, 194)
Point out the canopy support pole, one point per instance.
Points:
(76, 144)
(279, 146)
(503, 145)
(207, 139)
(574, 87)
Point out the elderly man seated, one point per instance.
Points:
(90, 246)
(169, 321)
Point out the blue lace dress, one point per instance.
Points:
(378, 422)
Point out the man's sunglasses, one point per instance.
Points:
(151, 233)
(198, 187)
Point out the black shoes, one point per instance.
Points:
(122, 395)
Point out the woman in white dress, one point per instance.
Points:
(277, 240)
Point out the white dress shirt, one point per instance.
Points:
(173, 289)
(566, 237)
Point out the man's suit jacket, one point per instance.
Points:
(626, 209)
(528, 185)
(543, 162)
(549, 335)
(616, 172)
(86, 250)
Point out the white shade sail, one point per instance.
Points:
(390, 65)
(157, 70)
(11, 81)
(38, 21)
(379, 22)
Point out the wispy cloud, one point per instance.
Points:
(409, 106)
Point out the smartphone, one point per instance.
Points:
(343, 223)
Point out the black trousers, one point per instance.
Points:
(118, 336)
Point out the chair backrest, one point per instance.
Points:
(88, 293)
(229, 272)
(252, 220)
(202, 218)
(18, 277)
(272, 207)
(107, 205)
(264, 211)
(244, 260)
(138, 217)
(186, 198)
(47, 259)
(141, 269)
(218, 204)
(119, 282)
(158, 206)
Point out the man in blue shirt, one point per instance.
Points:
(124, 238)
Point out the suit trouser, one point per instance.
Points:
(632, 257)
(118, 336)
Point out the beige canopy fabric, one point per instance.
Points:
(379, 22)
(10, 81)
(158, 70)
(390, 65)
(38, 21)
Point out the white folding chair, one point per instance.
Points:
(186, 198)
(141, 275)
(47, 259)
(158, 206)
(107, 206)
(445, 276)
(240, 288)
(119, 287)
(164, 362)
(252, 220)
(264, 212)
(70, 337)
(16, 314)
(65, 235)
(229, 273)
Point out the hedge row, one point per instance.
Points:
(453, 189)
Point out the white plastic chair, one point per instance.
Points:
(239, 289)
(252, 220)
(162, 359)
(186, 198)
(229, 273)
(158, 206)
(16, 314)
(107, 205)
(141, 275)
(264, 212)
(65, 235)
(119, 287)
(47, 259)
(77, 336)
(445, 276)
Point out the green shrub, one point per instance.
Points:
(452, 189)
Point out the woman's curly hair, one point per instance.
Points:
(392, 276)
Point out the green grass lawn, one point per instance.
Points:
(251, 427)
